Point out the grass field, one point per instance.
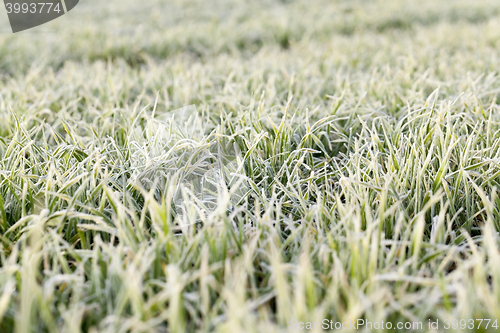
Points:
(234, 166)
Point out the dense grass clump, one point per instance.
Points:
(232, 166)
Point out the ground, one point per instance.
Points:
(234, 166)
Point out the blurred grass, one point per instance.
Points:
(128, 30)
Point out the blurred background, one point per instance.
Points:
(134, 31)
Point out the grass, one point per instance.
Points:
(232, 166)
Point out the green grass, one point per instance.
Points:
(324, 160)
